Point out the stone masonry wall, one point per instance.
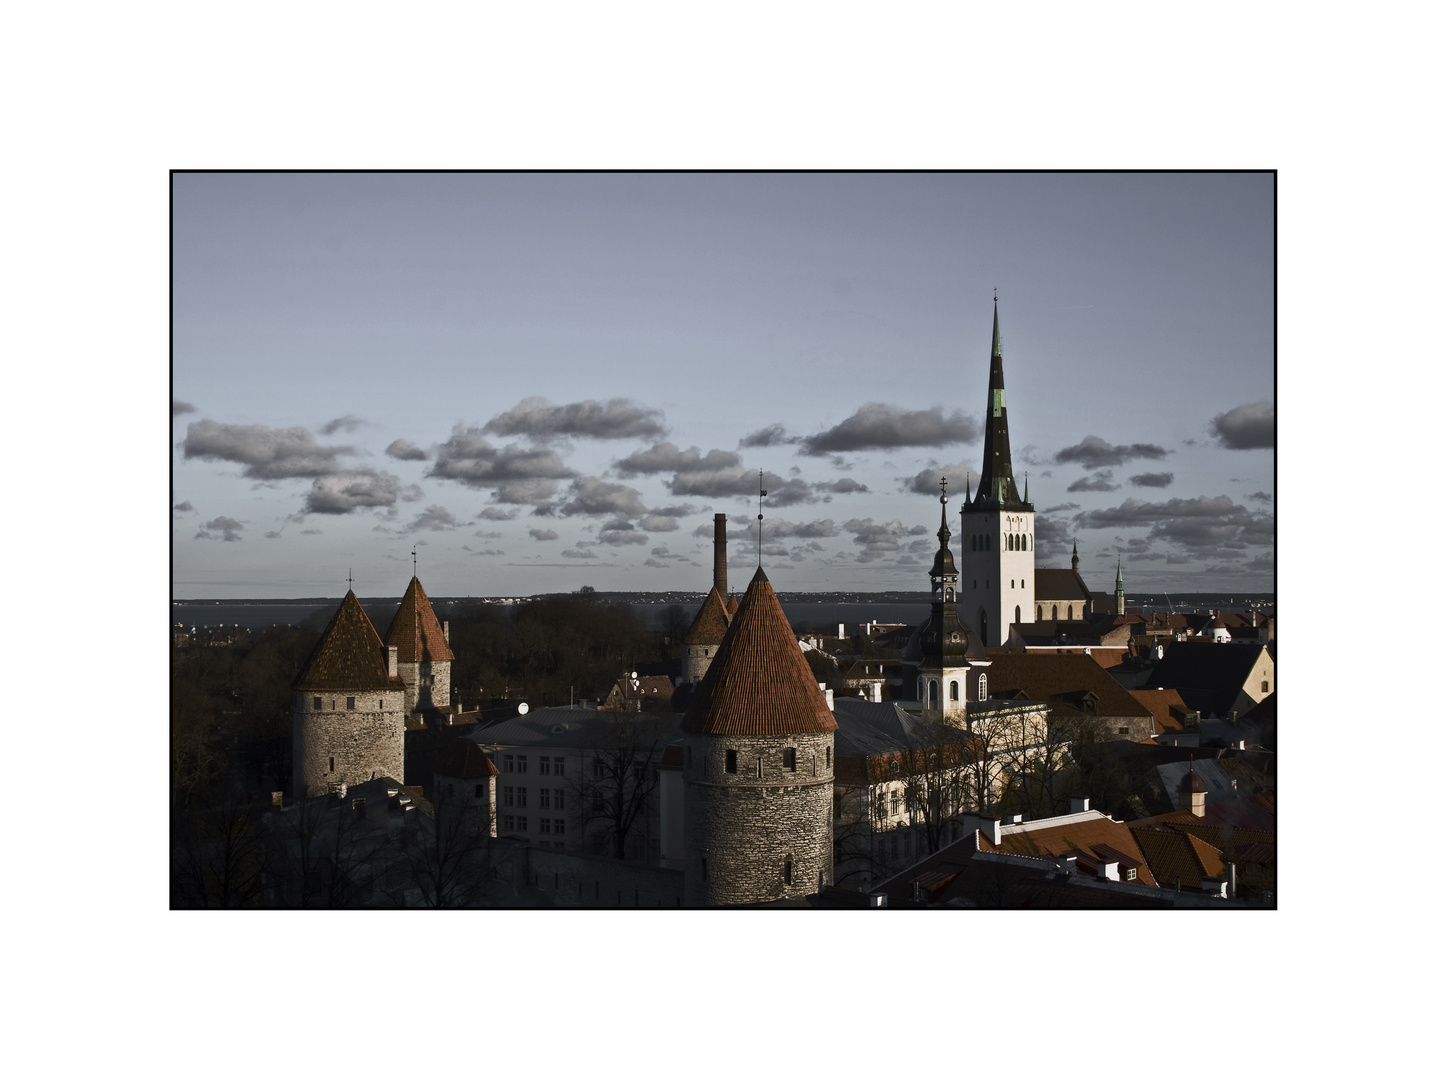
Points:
(745, 824)
(696, 661)
(439, 694)
(333, 744)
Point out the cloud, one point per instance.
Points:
(878, 541)
(665, 457)
(1099, 482)
(492, 513)
(618, 418)
(1259, 496)
(573, 553)
(470, 459)
(1060, 508)
(1195, 523)
(773, 435)
(621, 534)
(410, 493)
(1094, 452)
(843, 486)
(592, 496)
(1246, 427)
(775, 529)
(542, 534)
(341, 493)
(434, 519)
(658, 523)
(350, 422)
(927, 481)
(311, 532)
(876, 426)
(275, 534)
(488, 551)
(267, 453)
(402, 450)
(534, 493)
(179, 407)
(185, 507)
(229, 528)
(1153, 479)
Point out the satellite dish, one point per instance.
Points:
(522, 708)
(633, 674)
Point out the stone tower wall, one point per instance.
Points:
(333, 744)
(986, 576)
(439, 694)
(696, 661)
(746, 824)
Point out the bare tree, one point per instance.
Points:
(448, 854)
(217, 856)
(617, 786)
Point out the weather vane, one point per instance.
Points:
(762, 493)
(349, 579)
(414, 560)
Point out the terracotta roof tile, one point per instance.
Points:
(349, 655)
(1088, 837)
(1061, 680)
(711, 623)
(759, 682)
(1173, 853)
(415, 629)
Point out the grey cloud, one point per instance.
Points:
(402, 450)
(776, 529)
(267, 453)
(843, 486)
(725, 483)
(179, 407)
(1030, 455)
(617, 418)
(927, 481)
(470, 459)
(622, 537)
(492, 513)
(876, 426)
(311, 532)
(1259, 496)
(488, 551)
(1246, 427)
(434, 519)
(411, 493)
(658, 523)
(526, 492)
(1153, 479)
(542, 534)
(597, 497)
(665, 457)
(273, 535)
(1198, 522)
(350, 422)
(185, 507)
(342, 493)
(229, 528)
(1060, 508)
(773, 435)
(1099, 482)
(572, 553)
(1094, 452)
(481, 535)
(878, 541)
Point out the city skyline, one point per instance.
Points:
(549, 381)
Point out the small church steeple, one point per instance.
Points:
(1119, 590)
(1074, 558)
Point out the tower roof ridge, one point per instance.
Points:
(759, 682)
(415, 630)
(348, 656)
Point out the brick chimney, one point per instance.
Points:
(721, 554)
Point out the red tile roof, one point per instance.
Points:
(1166, 706)
(759, 682)
(415, 629)
(349, 655)
(711, 623)
(1095, 838)
(1173, 853)
(732, 606)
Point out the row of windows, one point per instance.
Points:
(930, 687)
(1055, 612)
(790, 759)
(548, 798)
(351, 703)
(1013, 542)
(518, 763)
(519, 823)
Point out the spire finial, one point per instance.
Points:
(414, 560)
(349, 579)
(762, 493)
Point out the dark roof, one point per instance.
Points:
(1250, 819)
(1173, 853)
(1166, 706)
(1206, 665)
(879, 729)
(1052, 585)
(348, 656)
(759, 682)
(415, 630)
(570, 727)
(711, 623)
(465, 760)
(1091, 836)
(1191, 783)
(1062, 680)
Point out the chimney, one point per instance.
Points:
(1015, 819)
(829, 699)
(878, 899)
(1079, 804)
(1067, 863)
(447, 634)
(841, 629)
(1231, 880)
(874, 691)
(391, 660)
(1212, 886)
(721, 554)
(916, 891)
(1108, 870)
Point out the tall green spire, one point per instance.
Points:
(995, 348)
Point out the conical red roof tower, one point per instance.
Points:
(415, 629)
(349, 656)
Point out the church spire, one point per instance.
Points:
(997, 481)
(1074, 558)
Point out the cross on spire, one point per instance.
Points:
(762, 493)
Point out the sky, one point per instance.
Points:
(544, 381)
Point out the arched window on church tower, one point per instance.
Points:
(1054, 611)
(954, 690)
(984, 694)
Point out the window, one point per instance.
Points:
(828, 756)
(558, 800)
(522, 823)
(380, 706)
(479, 791)
(543, 766)
(984, 690)
(597, 768)
(558, 826)
(509, 823)
(522, 763)
(544, 798)
(1039, 613)
(508, 763)
(954, 690)
(331, 764)
(1130, 873)
(522, 796)
(509, 796)
(558, 768)
(791, 759)
(1265, 685)
(316, 703)
(894, 802)
(788, 871)
(1055, 611)
(351, 703)
(731, 761)
(545, 825)
(1122, 731)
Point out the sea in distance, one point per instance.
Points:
(806, 616)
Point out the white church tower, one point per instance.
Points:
(997, 545)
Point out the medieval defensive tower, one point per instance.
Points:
(944, 649)
(701, 644)
(347, 707)
(997, 527)
(424, 655)
(758, 772)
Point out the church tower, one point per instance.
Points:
(424, 655)
(1119, 590)
(997, 542)
(347, 707)
(943, 648)
(758, 769)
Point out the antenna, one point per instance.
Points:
(762, 493)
